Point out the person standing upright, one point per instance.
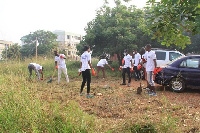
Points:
(85, 69)
(136, 63)
(143, 62)
(151, 64)
(126, 68)
(61, 66)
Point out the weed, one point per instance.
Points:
(149, 128)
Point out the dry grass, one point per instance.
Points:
(117, 109)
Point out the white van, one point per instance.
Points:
(164, 56)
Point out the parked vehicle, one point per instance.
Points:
(181, 73)
(165, 56)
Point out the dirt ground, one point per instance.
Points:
(117, 106)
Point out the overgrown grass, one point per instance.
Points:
(22, 110)
(31, 106)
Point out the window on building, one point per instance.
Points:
(68, 36)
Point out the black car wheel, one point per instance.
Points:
(177, 84)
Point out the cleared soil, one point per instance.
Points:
(119, 107)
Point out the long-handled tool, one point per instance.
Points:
(139, 89)
(50, 80)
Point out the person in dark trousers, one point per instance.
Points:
(126, 67)
(151, 64)
(37, 68)
(85, 69)
(136, 63)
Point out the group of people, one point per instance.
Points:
(59, 64)
(148, 58)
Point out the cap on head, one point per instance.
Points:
(103, 56)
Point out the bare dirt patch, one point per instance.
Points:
(117, 105)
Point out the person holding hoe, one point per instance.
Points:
(151, 64)
(61, 66)
(37, 68)
(126, 68)
(85, 69)
(101, 64)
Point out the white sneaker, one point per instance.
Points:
(147, 89)
(153, 94)
(129, 84)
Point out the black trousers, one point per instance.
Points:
(137, 73)
(126, 70)
(86, 75)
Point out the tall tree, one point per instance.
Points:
(169, 19)
(45, 39)
(13, 52)
(115, 29)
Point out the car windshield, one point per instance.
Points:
(174, 55)
(174, 60)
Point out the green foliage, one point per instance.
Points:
(115, 29)
(194, 47)
(45, 39)
(22, 110)
(169, 19)
(13, 52)
(168, 124)
(143, 129)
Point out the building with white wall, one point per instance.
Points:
(3, 46)
(68, 41)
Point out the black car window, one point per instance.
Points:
(160, 55)
(190, 63)
(173, 55)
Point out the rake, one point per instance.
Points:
(51, 79)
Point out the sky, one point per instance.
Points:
(20, 17)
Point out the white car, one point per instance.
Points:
(165, 56)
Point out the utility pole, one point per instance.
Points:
(6, 52)
(36, 49)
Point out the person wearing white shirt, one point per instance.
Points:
(85, 69)
(143, 62)
(151, 64)
(61, 66)
(126, 68)
(37, 68)
(136, 63)
(101, 64)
